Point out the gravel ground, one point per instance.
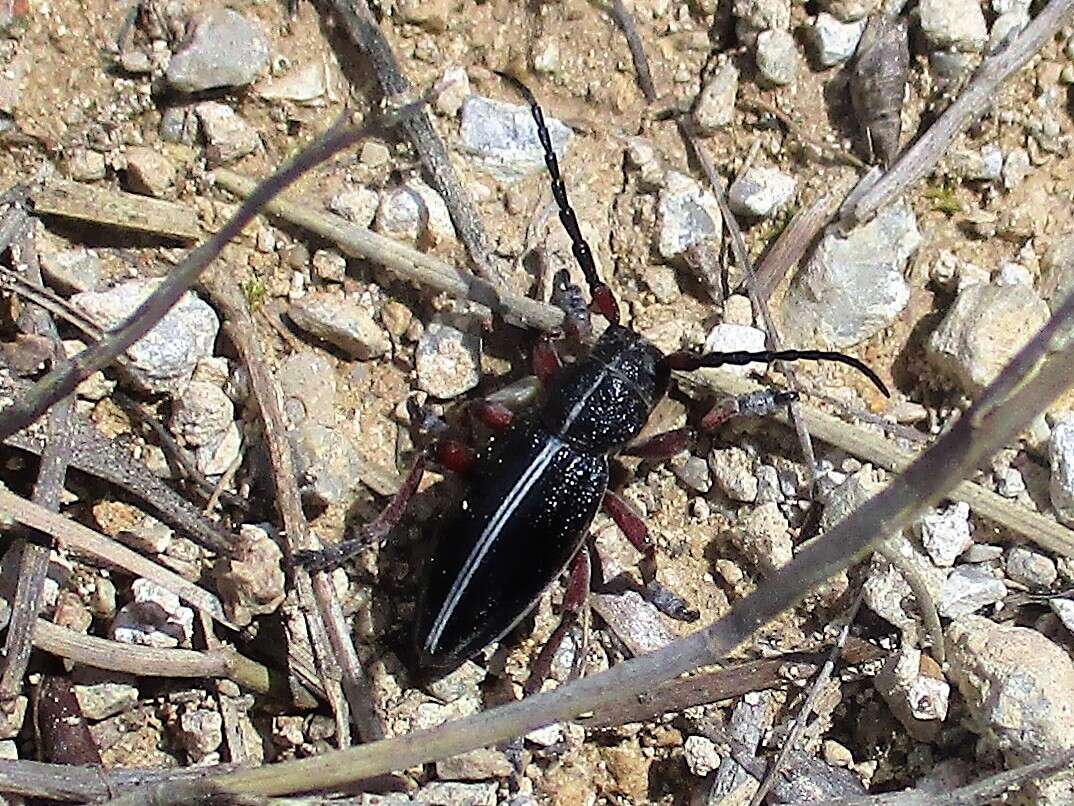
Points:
(142, 109)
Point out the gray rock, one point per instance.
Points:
(357, 206)
(849, 10)
(754, 16)
(327, 463)
(149, 171)
(763, 536)
(854, 286)
(1031, 568)
(218, 454)
(413, 211)
(888, 594)
(1005, 28)
(1057, 271)
(834, 41)
(222, 49)
(715, 105)
(1016, 167)
(777, 57)
(982, 553)
(340, 322)
(308, 383)
(985, 327)
(84, 165)
(201, 732)
(958, 24)
(967, 590)
(448, 361)
(450, 793)
(329, 265)
(451, 91)
(477, 765)
(732, 469)
(464, 682)
(503, 140)
(945, 533)
(688, 215)
(768, 486)
(984, 165)
(1061, 457)
(1064, 608)
(761, 192)
(1019, 692)
(73, 270)
(167, 355)
(227, 136)
(201, 413)
(694, 473)
(102, 700)
(306, 85)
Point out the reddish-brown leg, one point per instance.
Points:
(376, 530)
(634, 529)
(573, 602)
(546, 363)
(494, 415)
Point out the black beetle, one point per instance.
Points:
(532, 497)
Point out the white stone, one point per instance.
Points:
(834, 42)
(451, 91)
(702, 757)
(358, 205)
(761, 192)
(688, 216)
(201, 413)
(958, 24)
(715, 105)
(967, 590)
(448, 361)
(945, 533)
(502, 138)
(1031, 568)
(777, 57)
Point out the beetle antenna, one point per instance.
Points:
(692, 361)
(603, 300)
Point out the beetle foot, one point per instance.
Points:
(668, 602)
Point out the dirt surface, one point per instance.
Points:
(73, 96)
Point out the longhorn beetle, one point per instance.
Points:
(532, 496)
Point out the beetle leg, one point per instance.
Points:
(753, 404)
(546, 363)
(573, 602)
(495, 415)
(455, 455)
(376, 530)
(634, 529)
(662, 446)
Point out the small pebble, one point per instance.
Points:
(761, 192)
(340, 322)
(84, 165)
(958, 24)
(702, 757)
(982, 553)
(329, 265)
(732, 469)
(451, 91)
(763, 535)
(715, 105)
(777, 57)
(102, 700)
(201, 414)
(502, 138)
(694, 473)
(149, 172)
(1030, 568)
(227, 136)
(73, 270)
(688, 216)
(306, 85)
(251, 580)
(448, 361)
(357, 206)
(945, 533)
(834, 42)
(155, 618)
(222, 49)
(967, 590)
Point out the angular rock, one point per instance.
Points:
(967, 590)
(450, 793)
(689, 216)
(1031, 568)
(149, 172)
(887, 592)
(308, 383)
(328, 465)
(763, 535)
(451, 91)
(761, 192)
(754, 16)
(201, 413)
(102, 700)
(1019, 690)
(919, 700)
(849, 10)
(357, 206)
(201, 732)
(477, 765)
(216, 456)
(715, 105)
(502, 138)
(155, 618)
(340, 322)
(306, 85)
(854, 285)
(84, 165)
(167, 355)
(777, 57)
(834, 41)
(958, 24)
(222, 49)
(945, 533)
(448, 361)
(702, 757)
(227, 136)
(732, 469)
(251, 581)
(1064, 608)
(413, 211)
(73, 270)
(984, 328)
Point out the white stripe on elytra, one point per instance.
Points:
(584, 399)
(489, 535)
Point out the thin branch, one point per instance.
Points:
(408, 264)
(362, 29)
(328, 614)
(917, 160)
(68, 374)
(64, 782)
(925, 603)
(978, 793)
(809, 706)
(1035, 377)
(145, 661)
(86, 541)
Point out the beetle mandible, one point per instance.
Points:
(531, 497)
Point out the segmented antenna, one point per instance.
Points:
(603, 300)
(692, 361)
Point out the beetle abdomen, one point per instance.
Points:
(523, 518)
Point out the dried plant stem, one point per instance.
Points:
(326, 618)
(84, 540)
(925, 603)
(1035, 377)
(408, 264)
(917, 160)
(64, 782)
(68, 374)
(362, 29)
(144, 661)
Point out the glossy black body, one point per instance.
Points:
(531, 500)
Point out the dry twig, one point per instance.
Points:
(113, 208)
